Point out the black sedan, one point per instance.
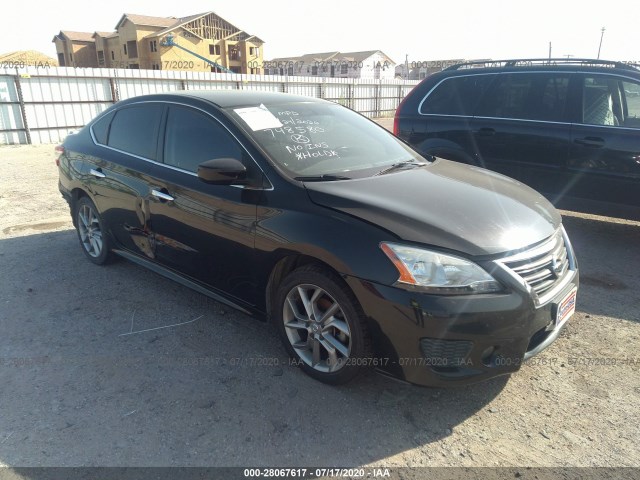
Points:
(300, 211)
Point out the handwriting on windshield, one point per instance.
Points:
(301, 137)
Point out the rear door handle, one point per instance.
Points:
(486, 132)
(162, 196)
(594, 142)
(97, 173)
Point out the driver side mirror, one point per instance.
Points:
(222, 171)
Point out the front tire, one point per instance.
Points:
(321, 325)
(91, 232)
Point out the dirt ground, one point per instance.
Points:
(87, 377)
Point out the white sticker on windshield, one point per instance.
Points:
(258, 118)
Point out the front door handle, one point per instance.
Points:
(97, 173)
(594, 142)
(162, 196)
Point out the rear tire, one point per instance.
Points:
(92, 234)
(321, 324)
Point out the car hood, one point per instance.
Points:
(446, 204)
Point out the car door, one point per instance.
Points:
(521, 128)
(604, 159)
(204, 231)
(118, 178)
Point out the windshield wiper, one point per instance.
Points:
(401, 166)
(322, 178)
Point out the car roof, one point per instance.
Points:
(544, 65)
(231, 98)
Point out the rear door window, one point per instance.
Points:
(527, 96)
(134, 129)
(456, 95)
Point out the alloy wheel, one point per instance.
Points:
(90, 231)
(316, 327)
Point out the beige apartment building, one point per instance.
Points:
(159, 43)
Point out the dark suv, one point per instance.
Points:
(569, 128)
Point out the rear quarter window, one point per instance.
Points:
(100, 129)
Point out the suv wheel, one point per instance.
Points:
(321, 325)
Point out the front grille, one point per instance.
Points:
(541, 267)
(445, 353)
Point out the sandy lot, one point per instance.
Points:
(87, 377)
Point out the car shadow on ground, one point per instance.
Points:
(118, 366)
(609, 262)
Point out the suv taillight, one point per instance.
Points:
(59, 152)
(396, 119)
(396, 122)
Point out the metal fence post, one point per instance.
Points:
(114, 89)
(23, 111)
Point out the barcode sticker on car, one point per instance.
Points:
(258, 118)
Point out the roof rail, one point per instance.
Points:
(530, 62)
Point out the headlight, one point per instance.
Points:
(436, 272)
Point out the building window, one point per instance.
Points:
(214, 49)
(113, 55)
(101, 57)
(155, 66)
(235, 70)
(133, 49)
(135, 66)
(125, 48)
(344, 69)
(314, 70)
(234, 52)
(153, 45)
(254, 51)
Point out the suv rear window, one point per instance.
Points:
(456, 95)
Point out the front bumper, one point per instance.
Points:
(456, 340)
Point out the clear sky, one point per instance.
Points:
(423, 30)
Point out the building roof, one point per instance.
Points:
(105, 34)
(74, 36)
(361, 56)
(179, 22)
(147, 20)
(334, 57)
(30, 57)
(310, 57)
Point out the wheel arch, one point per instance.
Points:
(76, 194)
(283, 267)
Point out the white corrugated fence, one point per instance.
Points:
(42, 104)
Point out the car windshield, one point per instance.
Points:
(322, 140)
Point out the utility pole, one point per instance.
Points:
(600, 47)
